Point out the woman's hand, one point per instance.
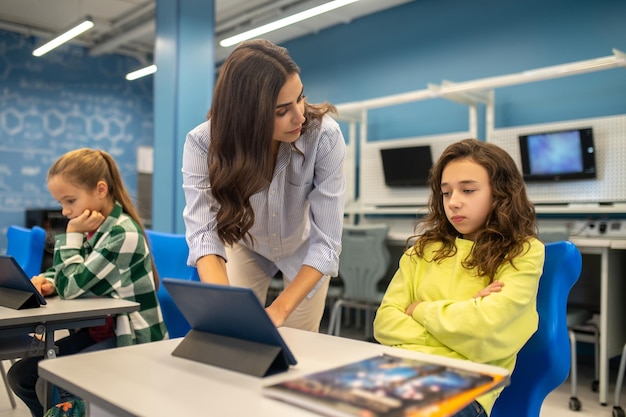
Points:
(44, 286)
(495, 286)
(277, 317)
(87, 222)
(293, 294)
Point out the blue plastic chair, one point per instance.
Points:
(544, 362)
(170, 252)
(27, 247)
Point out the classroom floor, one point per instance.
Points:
(555, 405)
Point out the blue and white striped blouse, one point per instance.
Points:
(298, 218)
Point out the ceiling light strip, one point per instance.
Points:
(286, 21)
(64, 37)
(150, 69)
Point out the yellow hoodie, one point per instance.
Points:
(449, 322)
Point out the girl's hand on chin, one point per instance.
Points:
(88, 221)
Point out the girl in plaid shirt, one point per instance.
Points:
(103, 253)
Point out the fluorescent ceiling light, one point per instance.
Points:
(286, 21)
(150, 69)
(85, 25)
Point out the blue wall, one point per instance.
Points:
(62, 101)
(398, 50)
(427, 41)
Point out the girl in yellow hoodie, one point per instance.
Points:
(467, 288)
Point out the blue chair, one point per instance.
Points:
(170, 252)
(26, 246)
(544, 362)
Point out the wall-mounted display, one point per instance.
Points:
(556, 156)
(408, 166)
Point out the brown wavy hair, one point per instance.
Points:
(85, 167)
(242, 116)
(508, 227)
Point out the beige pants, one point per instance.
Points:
(243, 271)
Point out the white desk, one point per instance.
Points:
(57, 314)
(146, 380)
(612, 294)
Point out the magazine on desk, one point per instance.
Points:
(386, 386)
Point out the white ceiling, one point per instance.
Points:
(127, 26)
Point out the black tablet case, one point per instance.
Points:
(16, 290)
(230, 329)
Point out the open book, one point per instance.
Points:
(387, 386)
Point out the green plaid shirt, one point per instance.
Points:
(114, 262)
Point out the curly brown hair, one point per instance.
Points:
(509, 226)
(242, 126)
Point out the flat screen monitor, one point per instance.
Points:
(556, 156)
(407, 167)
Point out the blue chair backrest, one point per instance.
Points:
(27, 247)
(170, 252)
(544, 362)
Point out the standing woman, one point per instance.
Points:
(264, 184)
